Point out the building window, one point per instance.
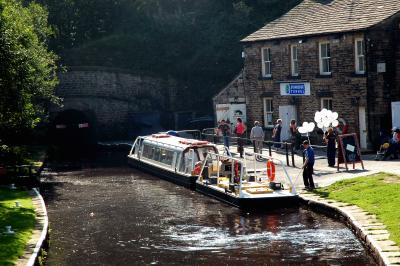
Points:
(266, 62)
(268, 111)
(326, 103)
(325, 58)
(360, 56)
(295, 62)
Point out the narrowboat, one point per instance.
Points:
(170, 157)
(196, 164)
(243, 184)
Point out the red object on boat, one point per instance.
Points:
(159, 136)
(193, 142)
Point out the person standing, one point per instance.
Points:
(240, 129)
(276, 133)
(308, 166)
(330, 140)
(257, 136)
(294, 134)
(225, 131)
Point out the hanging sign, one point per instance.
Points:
(295, 89)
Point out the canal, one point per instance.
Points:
(121, 216)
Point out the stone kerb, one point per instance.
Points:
(39, 233)
(367, 228)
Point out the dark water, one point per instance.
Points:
(120, 216)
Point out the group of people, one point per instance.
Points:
(256, 135)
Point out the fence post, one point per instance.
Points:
(287, 154)
(292, 148)
(270, 148)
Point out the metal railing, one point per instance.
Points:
(20, 174)
(287, 146)
(244, 168)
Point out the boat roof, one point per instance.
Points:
(176, 142)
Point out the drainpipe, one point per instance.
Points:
(368, 111)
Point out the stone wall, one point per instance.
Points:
(383, 46)
(109, 98)
(347, 89)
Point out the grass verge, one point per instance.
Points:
(377, 194)
(22, 221)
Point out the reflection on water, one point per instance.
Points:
(122, 216)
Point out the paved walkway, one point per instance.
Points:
(323, 174)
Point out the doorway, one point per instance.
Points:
(363, 127)
(286, 113)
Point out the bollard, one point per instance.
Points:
(287, 154)
(9, 230)
(292, 148)
(270, 148)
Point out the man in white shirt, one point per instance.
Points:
(257, 136)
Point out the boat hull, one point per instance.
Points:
(176, 178)
(266, 203)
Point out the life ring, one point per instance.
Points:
(236, 178)
(236, 168)
(197, 169)
(271, 170)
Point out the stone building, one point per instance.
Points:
(343, 55)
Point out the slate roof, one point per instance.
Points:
(313, 17)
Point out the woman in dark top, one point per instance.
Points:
(276, 133)
(295, 135)
(330, 140)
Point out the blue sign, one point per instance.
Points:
(295, 88)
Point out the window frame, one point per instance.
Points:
(271, 111)
(329, 99)
(358, 57)
(263, 62)
(294, 61)
(321, 59)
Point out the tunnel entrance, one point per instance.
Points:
(73, 133)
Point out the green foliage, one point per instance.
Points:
(27, 70)
(195, 42)
(11, 155)
(19, 155)
(377, 194)
(22, 221)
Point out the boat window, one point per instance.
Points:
(187, 163)
(166, 156)
(148, 151)
(202, 152)
(156, 154)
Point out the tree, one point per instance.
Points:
(27, 69)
